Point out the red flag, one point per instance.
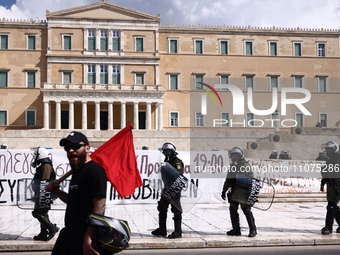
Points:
(117, 157)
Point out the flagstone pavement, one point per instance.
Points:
(205, 225)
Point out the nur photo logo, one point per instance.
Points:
(240, 99)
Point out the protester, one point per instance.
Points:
(238, 165)
(86, 195)
(44, 171)
(169, 151)
(329, 177)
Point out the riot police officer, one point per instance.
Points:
(330, 178)
(284, 154)
(169, 151)
(273, 154)
(238, 165)
(44, 171)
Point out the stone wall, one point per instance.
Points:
(303, 143)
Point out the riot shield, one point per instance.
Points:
(31, 194)
(248, 191)
(176, 188)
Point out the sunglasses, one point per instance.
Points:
(74, 147)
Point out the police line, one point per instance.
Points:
(205, 170)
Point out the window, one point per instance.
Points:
(103, 40)
(173, 46)
(139, 44)
(248, 48)
(224, 79)
(116, 74)
(30, 118)
(174, 119)
(273, 48)
(321, 49)
(139, 78)
(275, 119)
(299, 119)
(3, 79)
(297, 49)
(225, 119)
(322, 86)
(30, 79)
(91, 40)
(273, 82)
(199, 81)
(3, 42)
(224, 49)
(250, 119)
(323, 119)
(3, 118)
(198, 46)
(67, 77)
(31, 42)
(199, 121)
(91, 74)
(67, 40)
(298, 81)
(104, 75)
(115, 40)
(173, 81)
(249, 82)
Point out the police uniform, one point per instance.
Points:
(163, 204)
(238, 167)
(47, 229)
(328, 177)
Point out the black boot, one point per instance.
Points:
(235, 222)
(337, 218)
(330, 215)
(45, 223)
(52, 230)
(178, 229)
(161, 231)
(42, 236)
(251, 221)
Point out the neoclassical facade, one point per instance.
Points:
(101, 66)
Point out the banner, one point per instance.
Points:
(207, 172)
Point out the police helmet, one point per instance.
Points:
(40, 154)
(330, 145)
(236, 150)
(112, 235)
(169, 146)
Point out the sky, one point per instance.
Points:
(257, 13)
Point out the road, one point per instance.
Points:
(281, 250)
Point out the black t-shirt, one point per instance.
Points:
(86, 183)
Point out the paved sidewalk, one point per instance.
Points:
(203, 226)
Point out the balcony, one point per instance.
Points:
(102, 87)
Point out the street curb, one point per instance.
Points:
(191, 242)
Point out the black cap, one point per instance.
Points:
(74, 137)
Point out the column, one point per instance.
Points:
(110, 116)
(160, 116)
(46, 115)
(135, 116)
(122, 114)
(148, 116)
(156, 116)
(58, 115)
(97, 116)
(84, 115)
(71, 115)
